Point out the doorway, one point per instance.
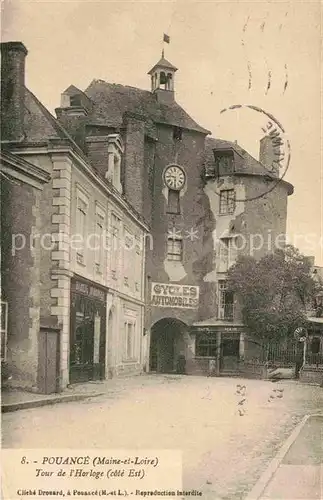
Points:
(87, 339)
(167, 345)
(229, 354)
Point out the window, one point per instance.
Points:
(115, 151)
(173, 206)
(230, 347)
(4, 329)
(174, 249)
(224, 252)
(206, 345)
(224, 163)
(225, 298)
(177, 133)
(99, 234)
(128, 259)
(169, 81)
(75, 100)
(115, 244)
(116, 171)
(227, 253)
(81, 226)
(138, 268)
(162, 78)
(129, 339)
(227, 201)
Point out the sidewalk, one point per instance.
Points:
(14, 399)
(296, 473)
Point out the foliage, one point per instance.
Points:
(273, 292)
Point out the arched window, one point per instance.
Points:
(163, 79)
(169, 84)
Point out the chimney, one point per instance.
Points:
(73, 114)
(268, 155)
(134, 159)
(13, 56)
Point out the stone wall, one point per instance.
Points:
(20, 262)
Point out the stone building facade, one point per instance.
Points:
(21, 185)
(131, 168)
(201, 196)
(76, 312)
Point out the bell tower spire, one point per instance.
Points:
(162, 79)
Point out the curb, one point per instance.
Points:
(25, 405)
(268, 474)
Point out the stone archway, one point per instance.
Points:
(167, 345)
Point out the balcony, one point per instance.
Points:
(227, 312)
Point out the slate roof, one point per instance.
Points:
(41, 126)
(111, 100)
(245, 163)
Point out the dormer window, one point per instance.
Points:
(224, 162)
(177, 133)
(75, 100)
(115, 151)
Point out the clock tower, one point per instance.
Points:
(162, 80)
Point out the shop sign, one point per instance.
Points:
(170, 295)
(88, 290)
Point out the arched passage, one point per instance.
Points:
(167, 345)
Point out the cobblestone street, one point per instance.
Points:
(225, 449)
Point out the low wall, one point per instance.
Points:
(311, 374)
(200, 366)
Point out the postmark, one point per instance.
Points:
(274, 170)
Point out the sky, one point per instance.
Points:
(265, 54)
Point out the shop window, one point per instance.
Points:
(206, 345)
(173, 204)
(174, 249)
(230, 347)
(315, 345)
(87, 325)
(227, 201)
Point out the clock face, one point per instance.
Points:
(174, 178)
